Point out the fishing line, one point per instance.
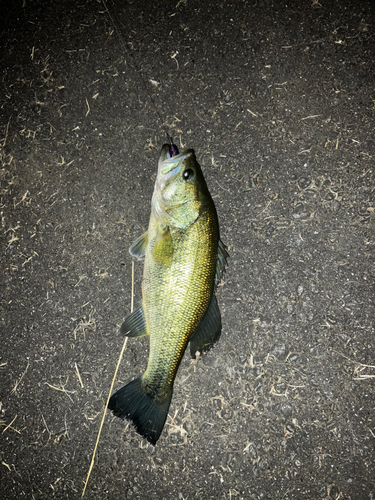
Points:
(173, 150)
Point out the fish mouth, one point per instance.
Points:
(170, 166)
(165, 153)
(168, 162)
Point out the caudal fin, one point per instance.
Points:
(148, 415)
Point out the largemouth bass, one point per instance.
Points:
(183, 262)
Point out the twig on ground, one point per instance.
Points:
(9, 426)
(78, 375)
(109, 394)
(20, 380)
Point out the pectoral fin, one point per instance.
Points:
(208, 331)
(138, 248)
(163, 246)
(135, 324)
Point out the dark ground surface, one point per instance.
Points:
(280, 93)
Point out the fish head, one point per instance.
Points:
(180, 192)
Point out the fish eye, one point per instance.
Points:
(188, 174)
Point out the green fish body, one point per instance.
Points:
(184, 259)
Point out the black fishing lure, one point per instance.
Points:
(173, 150)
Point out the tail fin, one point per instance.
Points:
(148, 415)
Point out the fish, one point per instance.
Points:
(184, 260)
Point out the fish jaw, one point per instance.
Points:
(165, 153)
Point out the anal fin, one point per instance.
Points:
(209, 330)
(135, 324)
